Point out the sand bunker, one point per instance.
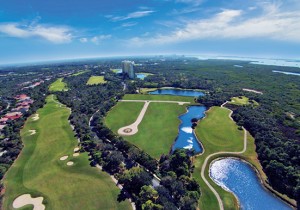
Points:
(36, 117)
(76, 154)
(32, 132)
(76, 149)
(64, 157)
(26, 199)
(70, 163)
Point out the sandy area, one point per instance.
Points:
(36, 117)
(76, 149)
(70, 163)
(76, 154)
(64, 157)
(32, 132)
(27, 199)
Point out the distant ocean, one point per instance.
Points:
(260, 61)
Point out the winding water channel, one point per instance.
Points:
(232, 174)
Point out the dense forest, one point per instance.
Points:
(275, 123)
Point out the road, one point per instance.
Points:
(221, 206)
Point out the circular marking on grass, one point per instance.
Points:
(76, 154)
(64, 157)
(127, 130)
(76, 149)
(70, 163)
(26, 199)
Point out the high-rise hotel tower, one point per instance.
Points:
(128, 68)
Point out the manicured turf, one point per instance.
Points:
(158, 97)
(80, 72)
(242, 100)
(58, 85)
(95, 80)
(218, 132)
(159, 128)
(39, 171)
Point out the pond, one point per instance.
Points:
(239, 177)
(186, 138)
(177, 92)
(141, 76)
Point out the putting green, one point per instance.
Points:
(95, 80)
(242, 100)
(40, 172)
(58, 85)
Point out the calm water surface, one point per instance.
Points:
(239, 178)
(177, 92)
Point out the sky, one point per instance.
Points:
(35, 30)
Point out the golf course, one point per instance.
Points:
(159, 127)
(52, 168)
(96, 80)
(58, 85)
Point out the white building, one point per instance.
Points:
(128, 68)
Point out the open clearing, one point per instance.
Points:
(38, 171)
(96, 80)
(218, 133)
(58, 85)
(159, 127)
(242, 100)
(80, 72)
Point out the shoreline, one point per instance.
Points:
(258, 177)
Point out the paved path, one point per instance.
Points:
(132, 129)
(221, 206)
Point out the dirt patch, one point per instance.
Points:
(26, 199)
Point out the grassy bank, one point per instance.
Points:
(39, 171)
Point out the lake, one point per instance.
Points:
(286, 72)
(177, 92)
(141, 76)
(239, 177)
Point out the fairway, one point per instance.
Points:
(159, 127)
(218, 132)
(58, 85)
(95, 80)
(40, 172)
(242, 100)
(80, 72)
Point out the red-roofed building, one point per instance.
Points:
(3, 120)
(21, 97)
(13, 115)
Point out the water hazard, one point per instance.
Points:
(177, 92)
(240, 178)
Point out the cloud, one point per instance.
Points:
(272, 23)
(129, 24)
(83, 40)
(133, 15)
(193, 2)
(98, 39)
(54, 34)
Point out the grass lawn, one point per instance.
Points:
(95, 80)
(218, 132)
(58, 85)
(158, 97)
(242, 100)
(146, 90)
(39, 171)
(159, 128)
(80, 72)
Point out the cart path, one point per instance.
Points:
(221, 206)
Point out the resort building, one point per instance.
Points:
(128, 68)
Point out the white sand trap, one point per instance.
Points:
(36, 117)
(76, 149)
(32, 132)
(26, 199)
(76, 154)
(70, 163)
(64, 157)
